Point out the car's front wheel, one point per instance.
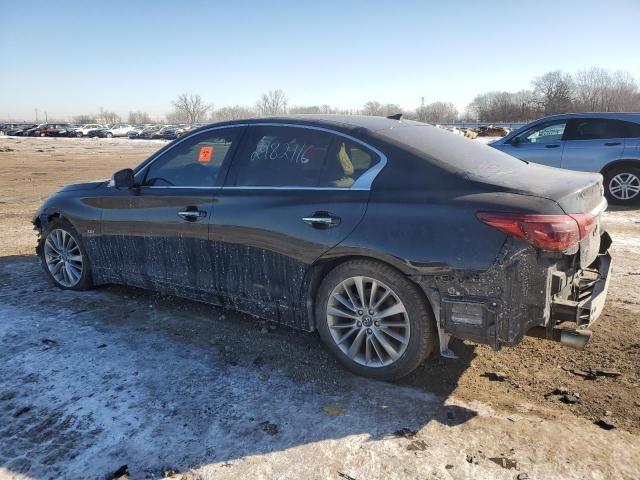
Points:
(109, 135)
(374, 320)
(622, 185)
(64, 258)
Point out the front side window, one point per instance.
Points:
(544, 133)
(278, 156)
(194, 162)
(595, 129)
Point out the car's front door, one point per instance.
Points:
(157, 234)
(292, 193)
(541, 143)
(591, 143)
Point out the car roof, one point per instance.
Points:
(629, 116)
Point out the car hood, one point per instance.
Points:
(82, 186)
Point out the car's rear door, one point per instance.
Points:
(591, 143)
(292, 193)
(157, 235)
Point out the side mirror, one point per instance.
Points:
(123, 179)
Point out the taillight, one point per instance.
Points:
(548, 232)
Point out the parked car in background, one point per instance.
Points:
(149, 132)
(119, 130)
(49, 130)
(6, 127)
(607, 143)
(135, 131)
(387, 236)
(84, 130)
(19, 130)
(98, 132)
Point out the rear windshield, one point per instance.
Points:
(452, 152)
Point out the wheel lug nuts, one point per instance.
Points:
(371, 312)
(360, 312)
(369, 331)
(377, 324)
(359, 324)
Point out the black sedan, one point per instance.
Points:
(386, 236)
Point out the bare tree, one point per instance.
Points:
(232, 113)
(82, 119)
(274, 102)
(437, 112)
(380, 110)
(139, 117)
(108, 118)
(555, 89)
(175, 117)
(191, 107)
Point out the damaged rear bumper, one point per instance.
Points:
(572, 318)
(526, 292)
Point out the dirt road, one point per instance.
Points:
(90, 382)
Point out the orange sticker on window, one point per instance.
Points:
(205, 154)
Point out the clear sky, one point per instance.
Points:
(70, 57)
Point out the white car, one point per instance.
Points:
(86, 128)
(119, 130)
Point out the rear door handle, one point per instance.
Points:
(192, 214)
(322, 219)
(612, 144)
(552, 145)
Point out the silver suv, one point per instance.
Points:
(608, 143)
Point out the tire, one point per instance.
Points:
(43, 134)
(79, 134)
(622, 185)
(57, 233)
(415, 325)
(109, 135)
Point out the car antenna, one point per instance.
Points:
(395, 116)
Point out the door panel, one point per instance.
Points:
(544, 154)
(144, 241)
(290, 196)
(157, 235)
(591, 143)
(263, 248)
(591, 155)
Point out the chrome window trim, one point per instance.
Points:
(364, 182)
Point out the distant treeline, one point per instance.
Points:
(589, 90)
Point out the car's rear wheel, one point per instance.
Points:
(622, 185)
(374, 320)
(64, 258)
(78, 134)
(109, 135)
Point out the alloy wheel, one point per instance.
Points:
(368, 321)
(63, 258)
(624, 186)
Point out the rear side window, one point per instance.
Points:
(194, 162)
(279, 156)
(633, 130)
(595, 129)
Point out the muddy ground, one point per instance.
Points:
(90, 382)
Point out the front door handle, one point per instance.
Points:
(322, 220)
(612, 144)
(192, 214)
(552, 145)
